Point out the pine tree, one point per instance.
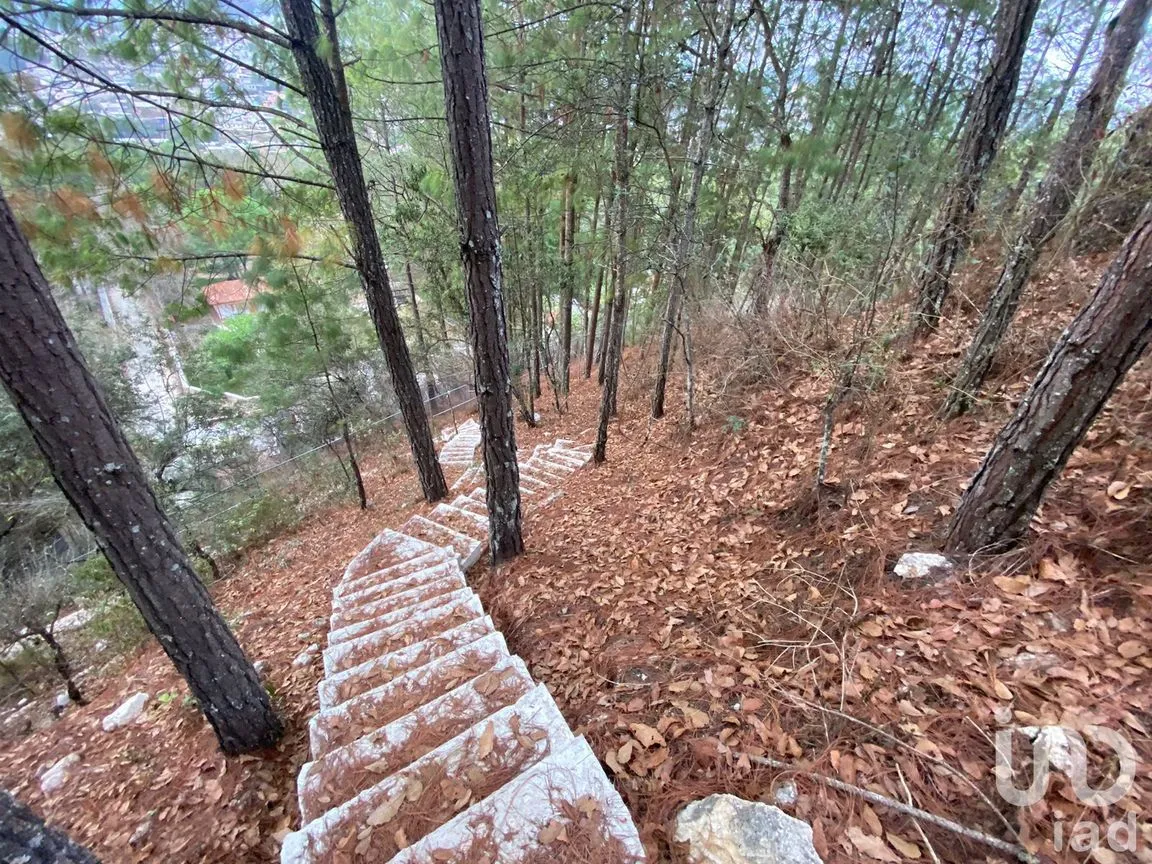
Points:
(93, 464)
(1084, 368)
(461, 38)
(1070, 165)
(988, 114)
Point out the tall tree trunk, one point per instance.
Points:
(461, 38)
(25, 839)
(698, 159)
(421, 341)
(590, 330)
(989, 110)
(1070, 165)
(1116, 201)
(567, 241)
(327, 98)
(1086, 365)
(1053, 115)
(95, 468)
(626, 108)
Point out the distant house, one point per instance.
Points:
(231, 297)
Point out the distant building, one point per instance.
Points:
(231, 297)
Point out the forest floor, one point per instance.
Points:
(693, 603)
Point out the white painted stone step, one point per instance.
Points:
(396, 571)
(387, 549)
(515, 736)
(479, 508)
(519, 811)
(532, 481)
(567, 457)
(351, 681)
(404, 627)
(380, 599)
(540, 469)
(332, 727)
(462, 521)
(344, 772)
(475, 474)
(395, 616)
(467, 549)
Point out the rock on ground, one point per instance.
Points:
(54, 778)
(128, 712)
(724, 829)
(922, 565)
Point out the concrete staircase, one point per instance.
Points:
(433, 743)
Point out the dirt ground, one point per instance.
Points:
(694, 604)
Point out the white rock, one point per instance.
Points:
(919, 565)
(1064, 751)
(262, 668)
(128, 712)
(787, 794)
(53, 779)
(724, 829)
(63, 700)
(306, 657)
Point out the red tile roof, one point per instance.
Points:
(231, 291)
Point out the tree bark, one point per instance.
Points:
(1085, 366)
(24, 838)
(567, 241)
(96, 469)
(626, 108)
(461, 38)
(698, 159)
(1053, 115)
(1070, 165)
(988, 114)
(327, 98)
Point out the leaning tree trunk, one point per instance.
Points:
(988, 114)
(470, 136)
(1041, 137)
(1086, 365)
(1061, 185)
(327, 99)
(24, 838)
(94, 466)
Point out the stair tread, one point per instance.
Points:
(376, 602)
(473, 764)
(396, 616)
(378, 671)
(344, 723)
(387, 549)
(343, 772)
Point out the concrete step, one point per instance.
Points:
(346, 771)
(461, 520)
(534, 481)
(475, 474)
(380, 600)
(396, 616)
(425, 794)
(467, 549)
(549, 474)
(479, 508)
(403, 627)
(396, 571)
(343, 724)
(387, 549)
(568, 781)
(566, 457)
(350, 681)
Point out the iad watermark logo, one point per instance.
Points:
(1064, 749)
